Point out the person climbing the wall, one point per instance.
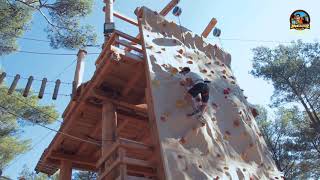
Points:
(195, 85)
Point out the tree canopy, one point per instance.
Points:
(30, 112)
(294, 72)
(63, 17)
(294, 150)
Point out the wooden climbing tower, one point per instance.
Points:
(107, 126)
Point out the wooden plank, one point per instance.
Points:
(123, 167)
(108, 152)
(158, 152)
(134, 144)
(169, 7)
(209, 28)
(137, 162)
(127, 36)
(109, 169)
(125, 18)
(72, 158)
(127, 44)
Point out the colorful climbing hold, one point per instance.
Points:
(174, 71)
(204, 71)
(212, 72)
(200, 166)
(182, 140)
(228, 133)
(163, 118)
(163, 49)
(224, 71)
(236, 123)
(180, 51)
(180, 103)
(179, 156)
(189, 62)
(226, 91)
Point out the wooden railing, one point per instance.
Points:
(121, 41)
(116, 158)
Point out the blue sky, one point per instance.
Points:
(245, 19)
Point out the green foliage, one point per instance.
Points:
(27, 174)
(294, 72)
(296, 153)
(63, 22)
(14, 20)
(85, 175)
(10, 126)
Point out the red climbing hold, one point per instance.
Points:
(217, 178)
(226, 91)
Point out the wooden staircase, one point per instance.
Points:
(127, 158)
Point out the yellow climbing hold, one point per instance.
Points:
(174, 71)
(181, 103)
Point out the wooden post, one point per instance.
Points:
(28, 86)
(2, 76)
(209, 28)
(14, 84)
(78, 75)
(42, 88)
(109, 127)
(56, 89)
(169, 7)
(108, 18)
(65, 170)
(123, 166)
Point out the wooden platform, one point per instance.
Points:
(119, 79)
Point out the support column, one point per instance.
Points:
(65, 170)
(109, 128)
(78, 76)
(109, 22)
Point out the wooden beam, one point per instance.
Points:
(125, 18)
(107, 153)
(130, 144)
(209, 28)
(123, 167)
(72, 158)
(128, 45)
(109, 169)
(169, 7)
(65, 170)
(137, 162)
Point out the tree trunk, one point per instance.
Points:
(313, 110)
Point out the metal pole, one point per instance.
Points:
(109, 22)
(78, 76)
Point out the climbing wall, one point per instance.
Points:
(229, 145)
